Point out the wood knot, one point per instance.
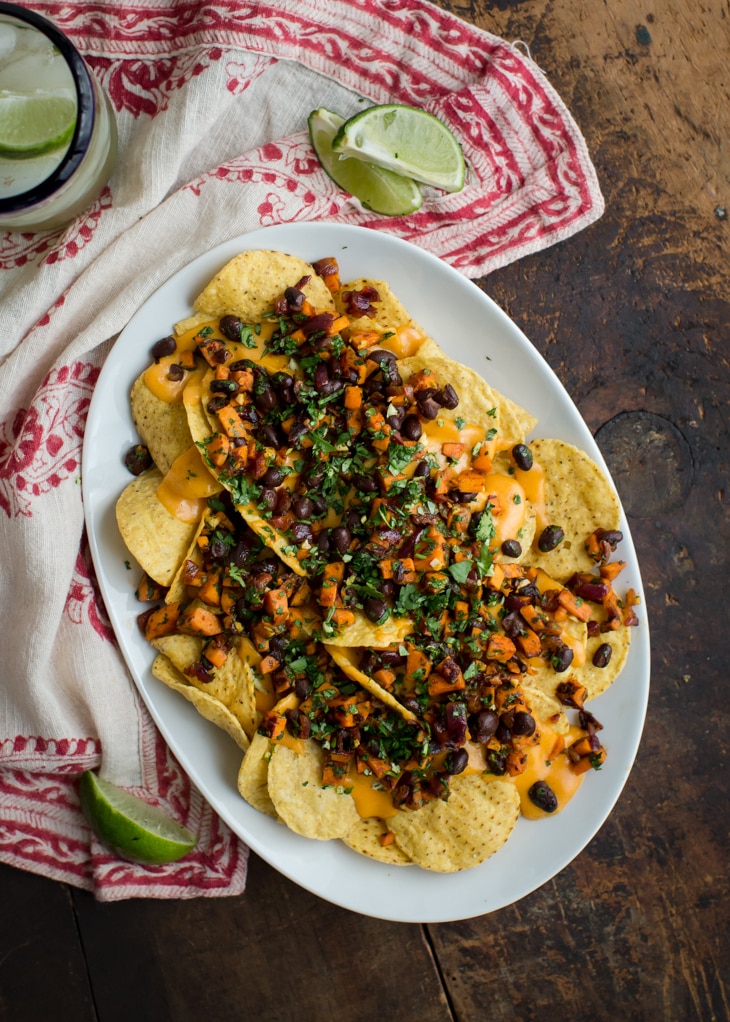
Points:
(650, 461)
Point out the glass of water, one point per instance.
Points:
(58, 137)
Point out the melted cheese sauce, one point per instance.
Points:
(156, 376)
(186, 487)
(555, 769)
(507, 496)
(369, 801)
(533, 484)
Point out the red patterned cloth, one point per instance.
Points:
(211, 102)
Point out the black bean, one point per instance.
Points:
(164, 347)
(269, 437)
(427, 402)
(216, 403)
(266, 566)
(223, 387)
(411, 427)
(267, 499)
(511, 548)
(297, 432)
(283, 501)
(550, 537)
(273, 476)
(241, 553)
(447, 397)
(422, 470)
(266, 399)
(331, 387)
(523, 724)
(395, 420)
(301, 532)
(456, 761)
(375, 609)
(340, 538)
(522, 457)
(294, 298)
(486, 725)
(175, 372)
(218, 550)
(138, 459)
(611, 536)
(302, 507)
(543, 796)
(365, 484)
(392, 658)
(602, 656)
(231, 327)
(323, 541)
(513, 624)
(302, 687)
(496, 762)
(561, 657)
(382, 356)
(283, 384)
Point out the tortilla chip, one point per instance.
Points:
(365, 839)
(546, 707)
(206, 705)
(478, 405)
(471, 826)
(155, 538)
(162, 425)
(305, 806)
(195, 321)
(543, 677)
(515, 422)
(598, 679)
(390, 314)
(178, 590)
(253, 777)
(232, 684)
(579, 498)
(248, 285)
(345, 658)
(363, 632)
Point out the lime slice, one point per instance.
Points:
(36, 123)
(378, 190)
(405, 140)
(134, 829)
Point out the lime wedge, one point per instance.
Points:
(406, 140)
(134, 829)
(34, 123)
(378, 190)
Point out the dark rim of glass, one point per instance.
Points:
(84, 118)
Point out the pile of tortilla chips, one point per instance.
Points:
(357, 565)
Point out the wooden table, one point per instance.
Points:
(631, 314)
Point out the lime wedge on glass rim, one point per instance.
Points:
(380, 191)
(32, 124)
(405, 140)
(130, 826)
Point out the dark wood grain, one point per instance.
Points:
(277, 952)
(43, 973)
(634, 316)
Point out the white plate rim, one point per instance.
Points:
(430, 289)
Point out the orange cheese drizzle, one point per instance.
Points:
(544, 764)
(186, 486)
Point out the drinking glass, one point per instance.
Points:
(58, 137)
